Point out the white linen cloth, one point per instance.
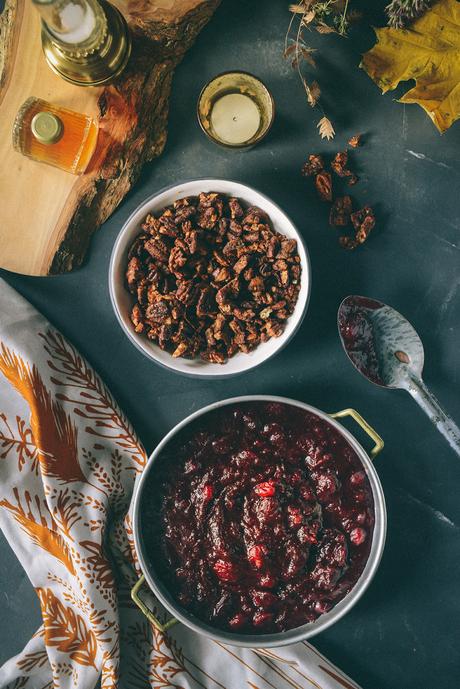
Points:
(68, 462)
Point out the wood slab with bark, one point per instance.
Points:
(47, 216)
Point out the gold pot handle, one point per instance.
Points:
(379, 444)
(146, 610)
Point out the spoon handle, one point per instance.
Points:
(430, 405)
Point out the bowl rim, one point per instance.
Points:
(297, 634)
(220, 374)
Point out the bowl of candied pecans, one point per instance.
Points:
(209, 278)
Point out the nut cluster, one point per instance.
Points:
(211, 278)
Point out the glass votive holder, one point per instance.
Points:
(235, 109)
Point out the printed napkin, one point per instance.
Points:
(69, 459)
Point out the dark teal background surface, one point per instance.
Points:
(404, 633)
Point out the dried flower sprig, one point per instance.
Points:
(401, 13)
(325, 16)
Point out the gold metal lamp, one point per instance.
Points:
(86, 42)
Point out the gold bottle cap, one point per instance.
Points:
(46, 127)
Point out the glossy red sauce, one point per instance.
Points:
(258, 518)
(357, 335)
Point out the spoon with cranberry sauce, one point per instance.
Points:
(384, 347)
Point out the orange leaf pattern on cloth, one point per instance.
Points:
(53, 431)
(38, 531)
(69, 459)
(67, 630)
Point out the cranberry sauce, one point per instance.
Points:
(357, 335)
(258, 518)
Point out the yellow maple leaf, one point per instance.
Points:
(429, 52)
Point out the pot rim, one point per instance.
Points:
(309, 629)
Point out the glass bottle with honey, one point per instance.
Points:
(54, 135)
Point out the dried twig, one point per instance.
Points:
(326, 17)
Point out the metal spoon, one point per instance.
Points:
(384, 347)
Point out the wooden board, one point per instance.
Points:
(48, 216)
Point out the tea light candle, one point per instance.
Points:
(235, 118)
(235, 109)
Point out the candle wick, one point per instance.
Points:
(234, 118)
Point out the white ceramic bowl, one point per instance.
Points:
(122, 300)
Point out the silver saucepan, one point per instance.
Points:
(143, 598)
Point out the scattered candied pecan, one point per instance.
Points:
(348, 242)
(363, 222)
(323, 184)
(339, 165)
(340, 211)
(211, 278)
(313, 165)
(355, 141)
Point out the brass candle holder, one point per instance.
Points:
(235, 110)
(86, 42)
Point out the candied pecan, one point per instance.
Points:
(341, 211)
(243, 314)
(165, 335)
(355, 141)
(180, 349)
(185, 213)
(226, 294)
(221, 275)
(177, 259)
(288, 246)
(137, 246)
(151, 224)
(363, 222)
(273, 246)
(207, 218)
(207, 199)
(206, 305)
(191, 239)
(158, 249)
(213, 356)
(348, 242)
(313, 165)
(323, 184)
(136, 318)
(230, 250)
(339, 165)
(254, 216)
(158, 312)
(241, 264)
(274, 328)
(236, 228)
(256, 285)
(133, 273)
(235, 208)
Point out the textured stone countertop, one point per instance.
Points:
(404, 632)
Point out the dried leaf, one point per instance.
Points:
(290, 50)
(313, 92)
(308, 17)
(306, 53)
(297, 9)
(429, 53)
(325, 28)
(326, 129)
